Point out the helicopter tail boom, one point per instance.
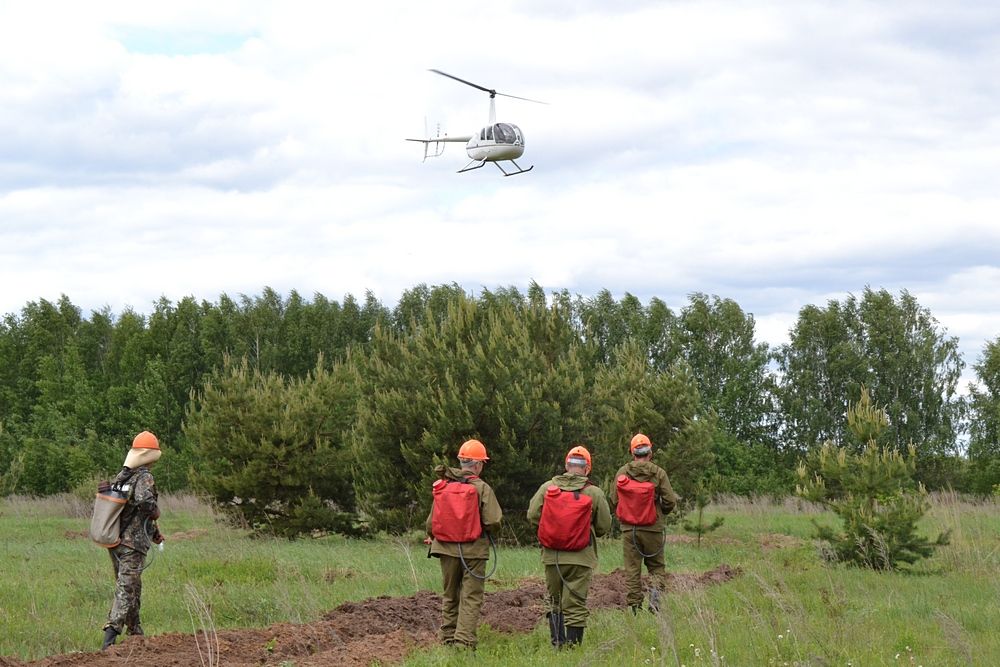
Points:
(438, 144)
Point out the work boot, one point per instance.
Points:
(556, 629)
(574, 635)
(110, 635)
(136, 631)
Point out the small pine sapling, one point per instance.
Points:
(702, 497)
(873, 492)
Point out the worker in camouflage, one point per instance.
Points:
(138, 533)
(568, 573)
(463, 564)
(644, 543)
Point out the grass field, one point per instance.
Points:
(786, 608)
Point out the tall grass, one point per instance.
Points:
(787, 607)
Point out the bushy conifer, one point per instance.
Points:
(872, 492)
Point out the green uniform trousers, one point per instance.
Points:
(646, 542)
(568, 586)
(462, 599)
(128, 590)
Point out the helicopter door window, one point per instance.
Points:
(489, 132)
(482, 134)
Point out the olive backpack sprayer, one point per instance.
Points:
(105, 523)
(455, 517)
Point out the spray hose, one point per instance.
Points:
(565, 583)
(635, 543)
(148, 559)
(461, 557)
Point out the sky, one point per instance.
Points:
(780, 153)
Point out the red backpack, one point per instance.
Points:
(636, 501)
(455, 516)
(565, 522)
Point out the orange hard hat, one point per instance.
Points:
(579, 452)
(473, 450)
(640, 440)
(145, 440)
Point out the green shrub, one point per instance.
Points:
(271, 450)
(873, 492)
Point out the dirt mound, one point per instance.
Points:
(380, 629)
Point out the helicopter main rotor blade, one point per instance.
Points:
(468, 83)
(526, 99)
(491, 91)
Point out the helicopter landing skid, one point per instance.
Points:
(514, 173)
(469, 167)
(476, 164)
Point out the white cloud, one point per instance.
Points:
(777, 154)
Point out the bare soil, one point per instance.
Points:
(380, 629)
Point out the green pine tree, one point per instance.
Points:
(873, 492)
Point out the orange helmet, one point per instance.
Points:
(580, 455)
(473, 450)
(145, 440)
(640, 445)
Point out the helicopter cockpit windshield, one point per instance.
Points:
(505, 133)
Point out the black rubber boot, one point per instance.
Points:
(574, 635)
(110, 635)
(556, 629)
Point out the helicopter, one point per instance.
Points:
(496, 143)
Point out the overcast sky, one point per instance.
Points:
(779, 154)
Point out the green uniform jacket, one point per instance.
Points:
(666, 499)
(600, 522)
(489, 513)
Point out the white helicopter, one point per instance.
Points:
(496, 143)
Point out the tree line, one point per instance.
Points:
(305, 413)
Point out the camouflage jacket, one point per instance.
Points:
(138, 516)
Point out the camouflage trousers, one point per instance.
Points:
(568, 586)
(462, 600)
(124, 612)
(646, 547)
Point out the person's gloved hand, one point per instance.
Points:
(157, 536)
